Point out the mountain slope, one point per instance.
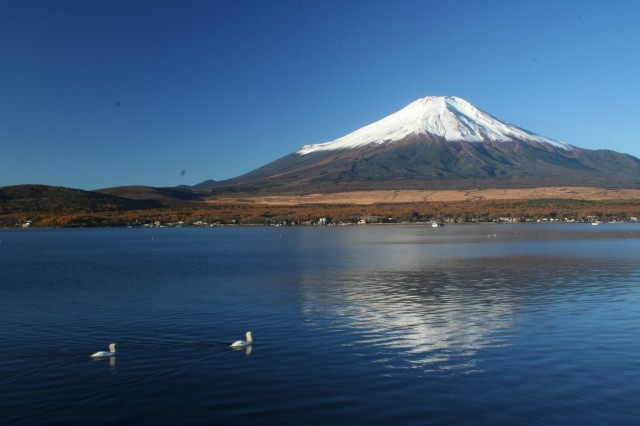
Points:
(60, 200)
(438, 143)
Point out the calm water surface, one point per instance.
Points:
(536, 324)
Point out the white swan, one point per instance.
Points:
(102, 354)
(242, 343)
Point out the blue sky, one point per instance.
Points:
(104, 93)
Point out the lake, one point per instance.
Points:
(393, 324)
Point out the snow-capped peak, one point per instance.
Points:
(450, 118)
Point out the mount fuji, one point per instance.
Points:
(439, 142)
(449, 118)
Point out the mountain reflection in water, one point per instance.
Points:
(438, 316)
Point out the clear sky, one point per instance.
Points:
(104, 93)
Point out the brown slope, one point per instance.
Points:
(427, 162)
(429, 196)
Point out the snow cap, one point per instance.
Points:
(448, 117)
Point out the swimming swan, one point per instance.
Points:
(242, 343)
(102, 354)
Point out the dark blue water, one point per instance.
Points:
(536, 324)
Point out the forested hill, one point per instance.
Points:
(54, 199)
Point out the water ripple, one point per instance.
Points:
(444, 316)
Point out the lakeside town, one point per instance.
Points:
(365, 220)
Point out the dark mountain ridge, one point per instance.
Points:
(426, 162)
(161, 195)
(61, 200)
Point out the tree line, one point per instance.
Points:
(258, 214)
